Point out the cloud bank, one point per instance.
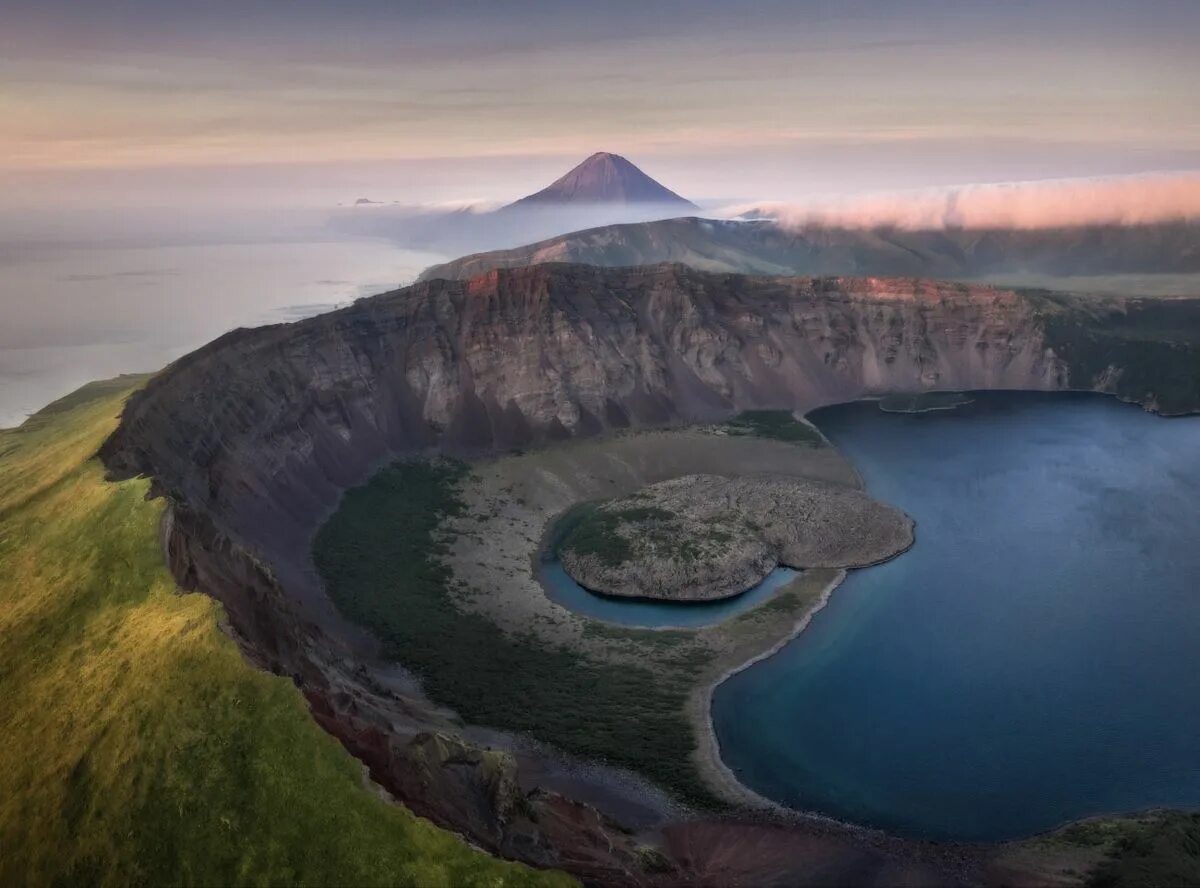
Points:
(1056, 203)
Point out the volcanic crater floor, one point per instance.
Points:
(502, 653)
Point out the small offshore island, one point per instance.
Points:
(707, 537)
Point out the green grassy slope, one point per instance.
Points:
(1158, 849)
(136, 745)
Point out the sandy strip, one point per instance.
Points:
(708, 758)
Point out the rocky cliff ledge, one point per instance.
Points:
(706, 537)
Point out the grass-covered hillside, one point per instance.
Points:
(136, 745)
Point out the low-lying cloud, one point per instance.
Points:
(457, 228)
(1056, 203)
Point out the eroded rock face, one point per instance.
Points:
(705, 537)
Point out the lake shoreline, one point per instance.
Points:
(708, 756)
(1037, 475)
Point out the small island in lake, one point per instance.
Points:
(923, 402)
(706, 537)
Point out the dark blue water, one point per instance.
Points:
(1033, 659)
(656, 614)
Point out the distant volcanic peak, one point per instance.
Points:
(605, 178)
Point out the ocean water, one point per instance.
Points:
(73, 313)
(1033, 659)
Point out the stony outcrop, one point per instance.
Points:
(706, 537)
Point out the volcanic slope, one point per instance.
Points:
(604, 178)
(138, 745)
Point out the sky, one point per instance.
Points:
(170, 169)
(144, 101)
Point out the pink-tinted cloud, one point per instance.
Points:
(1128, 200)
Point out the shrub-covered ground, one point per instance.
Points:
(1150, 850)
(378, 555)
(777, 424)
(599, 533)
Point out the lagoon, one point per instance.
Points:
(1033, 659)
(646, 613)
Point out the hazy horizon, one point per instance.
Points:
(135, 103)
(149, 151)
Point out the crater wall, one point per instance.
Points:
(263, 428)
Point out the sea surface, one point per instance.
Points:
(1033, 659)
(75, 313)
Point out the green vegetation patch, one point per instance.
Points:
(137, 746)
(1140, 851)
(1163, 850)
(777, 424)
(378, 556)
(598, 532)
(612, 533)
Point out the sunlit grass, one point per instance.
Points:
(137, 746)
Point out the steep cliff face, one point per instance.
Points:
(255, 435)
(264, 427)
